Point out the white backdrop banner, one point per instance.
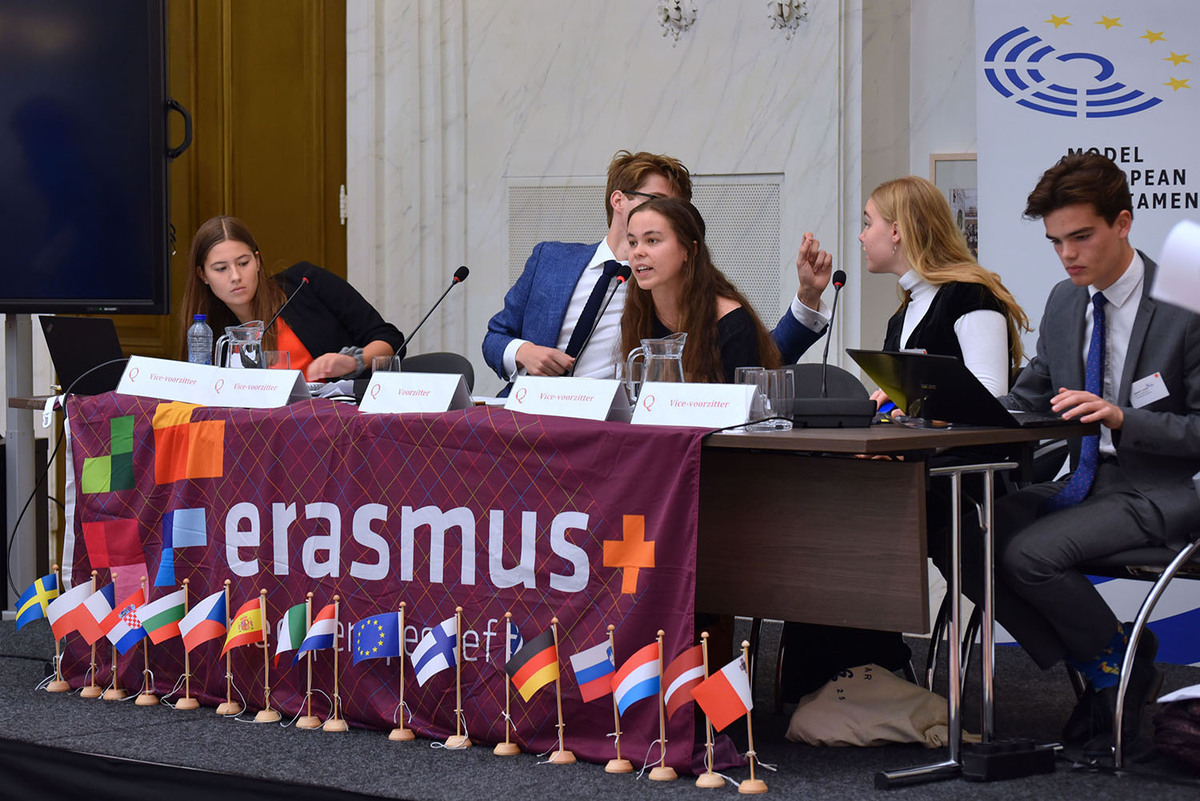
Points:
(1114, 77)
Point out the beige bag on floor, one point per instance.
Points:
(869, 705)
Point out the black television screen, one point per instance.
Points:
(83, 156)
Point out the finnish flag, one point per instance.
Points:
(436, 650)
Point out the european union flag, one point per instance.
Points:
(33, 602)
(376, 637)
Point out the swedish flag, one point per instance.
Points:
(33, 602)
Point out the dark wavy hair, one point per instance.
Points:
(198, 297)
(703, 283)
(1081, 178)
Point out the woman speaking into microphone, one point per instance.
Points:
(327, 327)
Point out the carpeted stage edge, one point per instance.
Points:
(63, 746)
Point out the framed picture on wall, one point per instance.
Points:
(955, 174)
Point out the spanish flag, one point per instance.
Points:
(246, 626)
(535, 665)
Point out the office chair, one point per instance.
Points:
(440, 362)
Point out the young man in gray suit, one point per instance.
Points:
(1106, 353)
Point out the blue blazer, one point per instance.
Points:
(536, 305)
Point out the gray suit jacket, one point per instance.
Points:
(1158, 446)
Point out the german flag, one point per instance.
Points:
(535, 665)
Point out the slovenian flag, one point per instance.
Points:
(725, 696)
(65, 610)
(93, 612)
(593, 671)
(205, 621)
(34, 601)
(535, 665)
(681, 677)
(436, 650)
(122, 625)
(160, 618)
(320, 634)
(638, 678)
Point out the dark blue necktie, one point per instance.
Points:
(1089, 450)
(591, 309)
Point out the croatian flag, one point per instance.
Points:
(436, 651)
(320, 634)
(725, 696)
(122, 626)
(93, 612)
(205, 621)
(638, 678)
(593, 671)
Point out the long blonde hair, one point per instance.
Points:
(934, 246)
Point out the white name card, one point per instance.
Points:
(165, 379)
(701, 405)
(580, 398)
(397, 393)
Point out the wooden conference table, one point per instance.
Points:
(794, 527)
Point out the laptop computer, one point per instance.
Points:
(942, 388)
(76, 345)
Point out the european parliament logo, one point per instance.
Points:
(1081, 71)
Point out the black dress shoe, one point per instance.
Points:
(1144, 683)
(1078, 729)
(1085, 723)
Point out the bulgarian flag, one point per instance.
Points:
(725, 696)
(204, 621)
(291, 630)
(246, 626)
(161, 618)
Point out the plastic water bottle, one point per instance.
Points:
(200, 341)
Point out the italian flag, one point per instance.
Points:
(292, 627)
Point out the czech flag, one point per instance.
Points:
(122, 625)
(205, 621)
(246, 626)
(638, 678)
(93, 613)
(681, 677)
(34, 601)
(725, 696)
(593, 671)
(535, 665)
(320, 633)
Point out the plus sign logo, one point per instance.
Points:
(631, 553)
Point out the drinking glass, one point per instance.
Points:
(385, 364)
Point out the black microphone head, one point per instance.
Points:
(839, 279)
(461, 274)
(623, 273)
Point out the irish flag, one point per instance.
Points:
(725, 696)
(161, 618)
(205, 621)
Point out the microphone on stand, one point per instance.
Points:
(460, 275)
(619, 277)
(838, 281)
(251, 356)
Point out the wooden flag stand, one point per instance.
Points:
(308, 720)
(458, 740)
(114, 693)
(616, 764)
(57, 684)
(266, 714)
(508, 747)
(401, 734)
(92, 690)
(752, 785)
(229, 707)
(562, 756)
(707, 779)
(662, 772)
(335, 722)
(146, 697)
(187, 701)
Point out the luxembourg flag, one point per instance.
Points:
(320, 633)
(638, 678)
(205, 621)
(122, 625)
(725, 696)
(593, 671)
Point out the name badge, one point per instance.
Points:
(1147, 390)
(398, 393)
(701, 405)
(580, 398)
(166, 379)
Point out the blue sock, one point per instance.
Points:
(1104, 669)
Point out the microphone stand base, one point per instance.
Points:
(833, 412)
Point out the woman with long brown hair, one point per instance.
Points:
(329, 329)
(677, 288)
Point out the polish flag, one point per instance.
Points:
(93, 612)
(64, 611)
(725, 696)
